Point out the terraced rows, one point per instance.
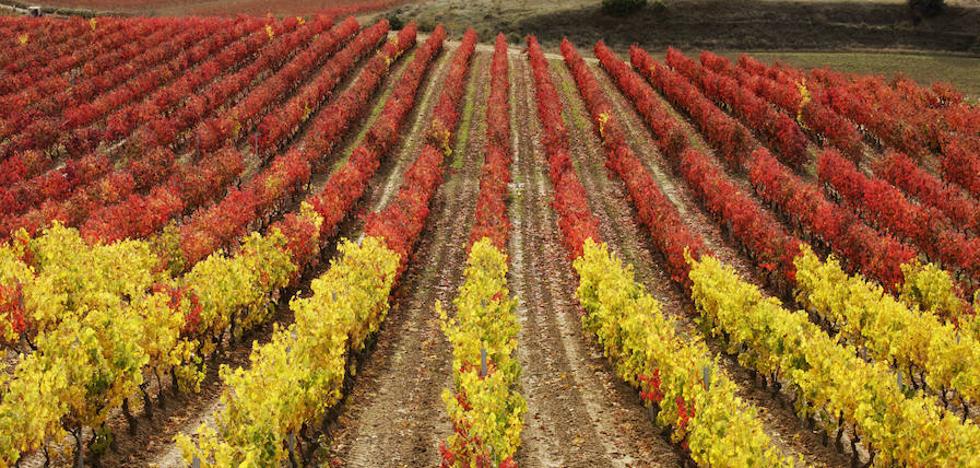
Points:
(312, 240)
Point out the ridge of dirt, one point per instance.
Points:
(786, 430)
(152, 446)
(394, 415)
(409, 146)
(579, 413)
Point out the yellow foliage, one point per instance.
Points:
(98, 325)
(804, 99)
(485, 322)
(889, 330)
(829, 379)
(931, 289)
(298, 375)
(642, 342)
(603, 118)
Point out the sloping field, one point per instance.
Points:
(210, 7)
(310, 240)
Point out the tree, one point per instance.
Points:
(925, 9)
(622, 7)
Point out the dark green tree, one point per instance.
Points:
(925, 9)
(622, 7)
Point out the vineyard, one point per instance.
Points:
(256, 241)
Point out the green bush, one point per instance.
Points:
(926, 8)
(395, 22)
(622, 7)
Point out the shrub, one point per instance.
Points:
(622, 7)
(925, 8)
(395, 22)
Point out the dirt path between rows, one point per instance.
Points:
(153, 443)
(579, 413)
(782, 425)
(394, 415)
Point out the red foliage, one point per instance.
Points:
(58, 184)
(335, 120)
(215, 132)
(860, 102)
(58, 46)
(491, 204)
(653, 208)
(767, 242)
(650, 387)
(12, 306)
(187, 188)
(256, 203)
(213, 228)
(778, 129)
(23, 165)
(193, 316)
(301, 241)
(961, 163)
(115, 187)
(39, 74)
(885, 205)
(575, 219)
(876, 256)
(126, 119)
(826, 123)
(916, 126)
(671, 138)
(282, 179)
(197, 185)
(284, 122)
(733, 141)
(901, 171)
(84, 103)
(244, 209)
(347, 184)
(401, 222)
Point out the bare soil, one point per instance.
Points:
(579, 413)
(394, 416)
(779, 421)
(152, 441)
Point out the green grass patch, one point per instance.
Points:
(574, 115)
(375, 112)
(570, 92)
(469, 107)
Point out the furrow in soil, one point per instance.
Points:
(579, 413)
(394, 415)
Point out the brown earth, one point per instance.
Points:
(579, 413)
(152, 440)
(394, 415)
